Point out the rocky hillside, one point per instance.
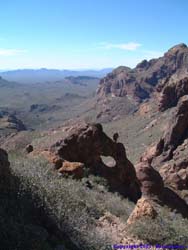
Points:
(140, 82)
(9, 123)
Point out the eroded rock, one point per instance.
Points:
(177, 131)
(171, 93)
(87, 144)
(151, 182)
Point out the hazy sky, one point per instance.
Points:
(88, 33)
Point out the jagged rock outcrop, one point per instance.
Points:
(86, 144)
(140, 82)
(159, 187)
(169, 157)
(177, 131)
(172, 91)
(173, 137)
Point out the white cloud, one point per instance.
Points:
(123, 46)
(11, 52)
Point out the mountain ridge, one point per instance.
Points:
(141, 81)
(43, 74)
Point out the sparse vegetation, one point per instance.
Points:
(167, 228)
(74, 209)
(68, 204)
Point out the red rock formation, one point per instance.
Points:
(169, 158)
(140, 82)
(177, 131)
(152, 185)
(86, 145)
(171, 93)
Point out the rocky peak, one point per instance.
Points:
(147, 76)
(142, 65)
(121, 69)
(177, 48)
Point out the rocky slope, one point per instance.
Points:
(162, 169)
(140, 82)
(9, 123)
(168, 155)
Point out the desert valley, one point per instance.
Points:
(90, 161)
(93, 125)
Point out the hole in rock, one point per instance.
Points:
(108, 161)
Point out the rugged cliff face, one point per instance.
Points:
(169, 157)
(140, 82)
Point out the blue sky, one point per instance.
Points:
(77, 34)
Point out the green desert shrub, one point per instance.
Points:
(67, 203)
(167, 228)
(74, 208)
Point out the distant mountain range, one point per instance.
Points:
(49, 75)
